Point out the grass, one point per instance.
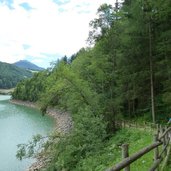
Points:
(111, 153)
(138, 139)
(145, 161)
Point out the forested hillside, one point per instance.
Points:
(10, 75)
(127, 73)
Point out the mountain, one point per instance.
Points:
(28, 65)
(10, 75)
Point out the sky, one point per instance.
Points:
(43, 31)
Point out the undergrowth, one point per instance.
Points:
(111, 153)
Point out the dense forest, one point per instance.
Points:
(10, 75)
(124, 73)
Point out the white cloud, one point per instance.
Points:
(50, 28)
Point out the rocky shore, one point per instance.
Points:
(63, 124)
(63, 121)
(25, 103)
(6, 91)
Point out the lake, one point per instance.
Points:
(17, 125)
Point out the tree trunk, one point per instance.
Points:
(151, 75)
(167, 61)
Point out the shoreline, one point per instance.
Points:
(6, 91)
(24, 103)
(63, 124)
(63, 120)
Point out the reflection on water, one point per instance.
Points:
(4, 97)
(2, 108)
(17, 125)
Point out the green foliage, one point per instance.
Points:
(30, 89)
(102, 24)
(113, 77)
(110, 153)
(10, 75)
(28, 150)
(111, 80)
(68, 91)
(85, 139)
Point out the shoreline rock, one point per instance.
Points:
(25, 103)
(63, 120)
(6, 91)
(63, 124)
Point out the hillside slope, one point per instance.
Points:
(10, 75)
(28, 65)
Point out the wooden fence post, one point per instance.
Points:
(125, 154)
(169, 136)
(161, 130)
(164, 142)
(156, 150)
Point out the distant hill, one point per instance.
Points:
(28, 65)
(10, 75)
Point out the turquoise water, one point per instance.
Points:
(17, 125)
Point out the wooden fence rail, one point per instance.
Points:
(132, 124)
(162, 138)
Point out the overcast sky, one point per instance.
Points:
(43, 30)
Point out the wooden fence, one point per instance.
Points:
(161, 147)
(132, 124)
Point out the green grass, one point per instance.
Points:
(111, 153)
(145, 161)
(138, 139)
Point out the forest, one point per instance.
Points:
(10, 75)
(124, 73)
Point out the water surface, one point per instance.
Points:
(17, 125)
